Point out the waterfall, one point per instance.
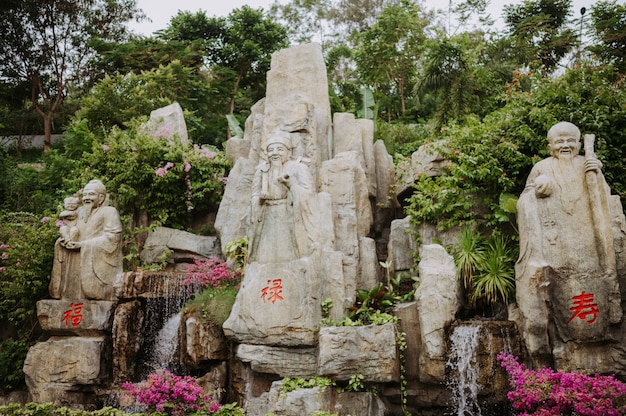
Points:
(161, 324)
(464, 375)
(166, 344)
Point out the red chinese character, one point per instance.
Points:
(73, 314)
(272, 291)
(584, 306)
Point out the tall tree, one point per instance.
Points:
(305, 20)
(609, 29)
(539, 32)
(47, 43)
(387, 53)
(238, 47)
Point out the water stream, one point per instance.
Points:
(166, 344)
(464, 370)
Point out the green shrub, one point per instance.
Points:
(26, 255)
(213, 304)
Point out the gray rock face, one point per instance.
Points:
(168, 123)
(286, 362)
(307, 401)
(368, 350)
(277, 304)
(178, 245)
(54, 367)
(438, 297)
(202, 341)
(82, 318)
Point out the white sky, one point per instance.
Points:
(161, 11)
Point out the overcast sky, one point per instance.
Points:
(161, 11)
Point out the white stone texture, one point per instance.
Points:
(75, 317)
(368, 350)
(278, 304)
(285, 362)
(439, 298)
(168, 123)
(181, 244)
(55, 367)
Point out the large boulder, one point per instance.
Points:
(439, 297)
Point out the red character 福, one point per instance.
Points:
(73, 314)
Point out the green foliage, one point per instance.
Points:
(237, 48)
(401, 138)
(468, 254)
(495, 281)
(493, 157)
(609, 28)
(386, 52)
(48, 46)
(213, 304)
(290, 384)
(26, 256)
(486, 266)
(539, 33)
(118, 99)
(27, 186)
(12, 354)
(237, 252)
(26, 242)
(168, 181)
(48, 409)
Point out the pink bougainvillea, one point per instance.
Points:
(210, 272)
(172, 395)
(547, 392)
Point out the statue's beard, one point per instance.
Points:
(88, 207)
(276, 163)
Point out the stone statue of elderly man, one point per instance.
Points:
(87, 267)
(282, 211)
(567, 288)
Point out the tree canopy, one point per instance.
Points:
(47, 44)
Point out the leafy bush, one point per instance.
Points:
(213, 304)
(168, 181)
(493, 157)
(26, 257)
(485, 266)
(547, 392)
(48, 409)
(170, 394)
(118, 99)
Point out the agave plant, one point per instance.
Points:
(495, 280)
(468, 255)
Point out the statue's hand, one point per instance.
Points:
(286, 180)
(543, 186)
(72, 245)
(592, 164)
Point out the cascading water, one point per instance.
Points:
(166, 344)
(464, 370)
(161, 325)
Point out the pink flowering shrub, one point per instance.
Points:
(210, 273)
(547, 392)
(170, 394)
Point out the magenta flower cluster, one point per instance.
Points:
(172, 395)
(204, 152)
(547, 392)
(163, 171)
(210, 272)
